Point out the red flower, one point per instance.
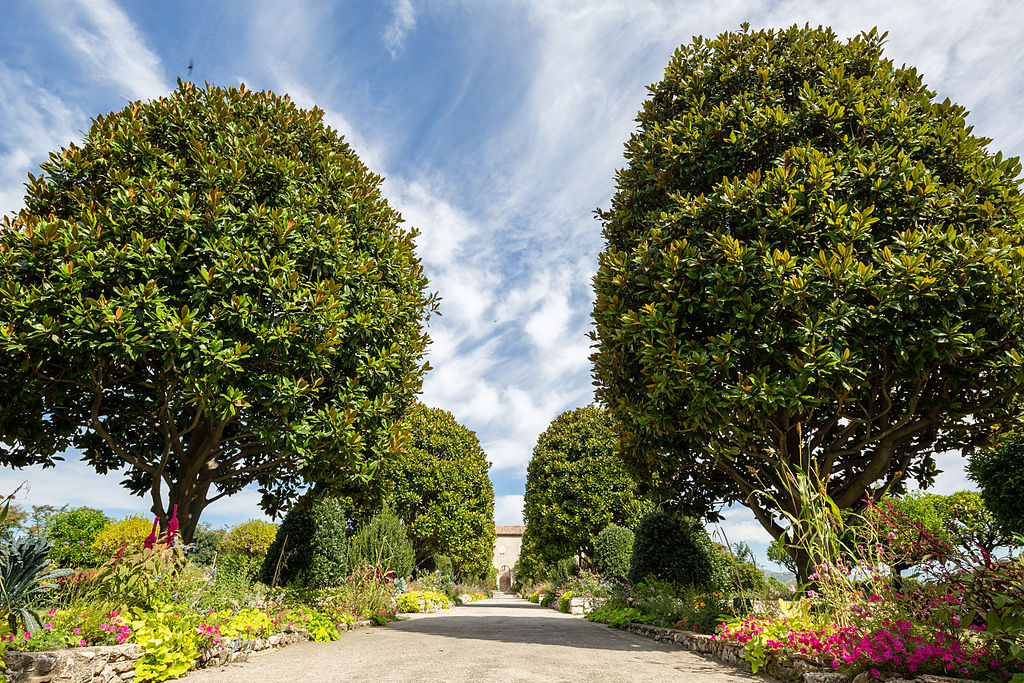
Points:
(151, 539)
(172, 527)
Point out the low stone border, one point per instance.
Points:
(100, 664)
(116, 663)
(793, 667)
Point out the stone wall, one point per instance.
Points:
(116, 663)
(106, 664)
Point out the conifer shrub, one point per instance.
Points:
(673, 548)
(311, 546)
(613, 551)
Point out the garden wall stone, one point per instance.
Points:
(102, 664)
(116, 663)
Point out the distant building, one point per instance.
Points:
(507, 544)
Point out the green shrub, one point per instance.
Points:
(315, 553)
(675, 549)
(443, 566)
(383, 543)
(999, 472)
(410, 602)
(547, 599)
(205, 544)
(72, 534)
(252, 538)
(613, 551)
(129, 533)
(742, 572)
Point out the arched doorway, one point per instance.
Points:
(505, 578)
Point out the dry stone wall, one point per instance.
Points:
(116, 663)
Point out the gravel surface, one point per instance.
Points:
(502, 639)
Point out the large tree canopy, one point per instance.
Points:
(575, 486)
(809, 262)
(211, 290)
(439, 487)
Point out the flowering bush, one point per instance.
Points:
(962, 614)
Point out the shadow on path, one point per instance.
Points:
(539, 630)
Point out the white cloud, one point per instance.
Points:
(110, 45)
(33, 123)
(508, 510)
(403, 20)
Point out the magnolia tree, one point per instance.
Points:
(439, 487)
(210, 291)
(810, 264)
(575, 486)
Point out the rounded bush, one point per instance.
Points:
(311, 544)
(251, 538)
(384, 543)
(999, 472)
(613, 551)
(129, 533)
(72, 534)
(677, 549)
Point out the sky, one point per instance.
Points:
(498, 126)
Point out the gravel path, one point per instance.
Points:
(501, 639)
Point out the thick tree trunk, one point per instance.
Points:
(191, 499)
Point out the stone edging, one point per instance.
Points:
(116, 663)
(792, 667)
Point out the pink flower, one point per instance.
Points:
(77, 631)
(81, 643)
(47, 626)
(27, 635)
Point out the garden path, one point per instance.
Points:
(502, 639)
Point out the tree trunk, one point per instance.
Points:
(190, 497)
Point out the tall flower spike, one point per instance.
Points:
(172, 527)
(151, 539)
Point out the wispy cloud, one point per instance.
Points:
(403, 20)
(110, 45)
(33, 123)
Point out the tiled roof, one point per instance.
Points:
(509, 530)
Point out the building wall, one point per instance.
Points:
(508, 543)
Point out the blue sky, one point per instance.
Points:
(498, 127)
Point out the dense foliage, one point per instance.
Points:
(613, 551)
(676, 549)
(210, 290)
(575, 486)
(808, 262)
(251, 538)
(127, 535)
(311, 546)
(999, 472)
(383, 543)
(439, 486)
(72, 534)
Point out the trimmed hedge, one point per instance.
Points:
(677, 549)
(613, 551)
(316, 553)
